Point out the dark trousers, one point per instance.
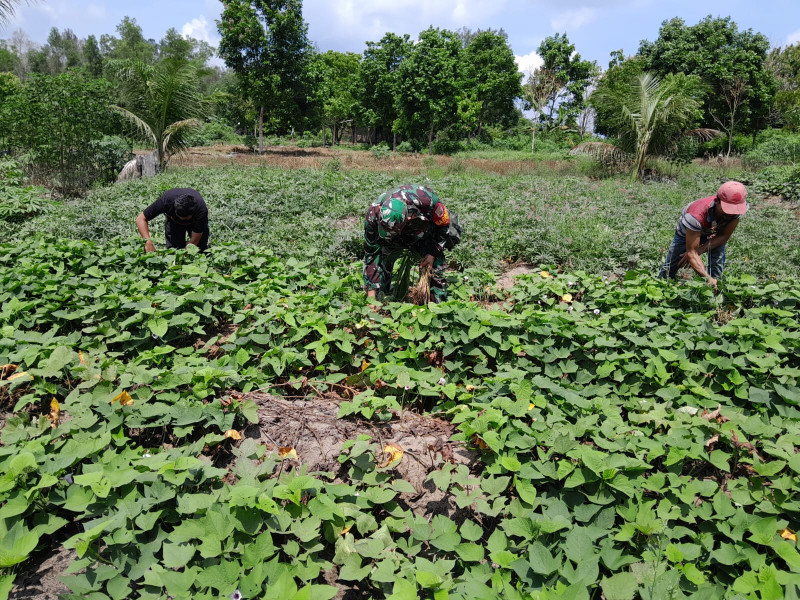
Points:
(716, 258)
(177, 235)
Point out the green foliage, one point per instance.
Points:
(647, 116)
(428, 85)
(378, 83)
(604, 430)
(60, 124)
(213, 132)
(17, 200)
(571, 74)
(774, 148)
(265, 42)
(160, 102)
(491, 80)
(720, 54)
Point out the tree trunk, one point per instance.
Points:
(394, 141)
(430, 141)
(353, 126)
(261, 130)
(324, 135)
(533, 138)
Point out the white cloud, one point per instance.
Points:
(573, 19)
(793, 38)
(371, 20)
(529, 62)
(198, 28)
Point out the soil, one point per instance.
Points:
(291, 157)
(507, 280)
(40, 581)
(312, 428)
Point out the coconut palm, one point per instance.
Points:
(649, 116)
(161, 102)
(7, 8)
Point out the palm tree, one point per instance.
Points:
(161, 102)
(649, 116)
(7, 8)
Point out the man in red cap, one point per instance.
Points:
(705, 227)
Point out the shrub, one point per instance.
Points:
(778, 181)
(18, 201)
(779, 148)
(405, 147)
(381, 151)
(60, 123)
(214, 132)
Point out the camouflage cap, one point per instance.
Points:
(393, 217)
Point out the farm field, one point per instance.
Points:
(186, 426)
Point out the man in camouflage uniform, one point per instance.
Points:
(408, 217)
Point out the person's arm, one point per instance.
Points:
(144, 231)
(372, 251)
(199, 227)
(723, 237)
(693, 256)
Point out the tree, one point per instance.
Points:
(491, 75)
(266, 43)
(161, 102)
(337, 80)
(8, 59)
(572, 73)
(719, 53)
(92, 57)
(784, 64)
(540, 87)
(378, 83)
(647, 116)
(466, 35)
(130, 45)
(428, 85)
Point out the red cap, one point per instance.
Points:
(732, 195)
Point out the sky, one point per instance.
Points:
(595, 27)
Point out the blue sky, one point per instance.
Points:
(596, 27)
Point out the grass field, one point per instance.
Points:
(578, 223)
(185, 426)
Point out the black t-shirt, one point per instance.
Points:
(165, 205)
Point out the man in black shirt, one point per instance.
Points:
(186, 214)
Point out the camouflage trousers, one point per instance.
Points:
(384, 266)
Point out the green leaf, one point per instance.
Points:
(764, 530)
(6, 583)
(621, 586)
(541, 560)
(789, 554)
(158, 326)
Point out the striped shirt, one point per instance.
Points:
(701, 216)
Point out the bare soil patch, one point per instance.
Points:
(312, 428)
(291, 157)
(40, 580)
(509, 278)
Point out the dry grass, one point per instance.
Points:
(290, 157)
(420, 293)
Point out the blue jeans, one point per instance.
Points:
(716, 258)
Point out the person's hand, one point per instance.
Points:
(684, 260)
(426, 262)
(149, 246)
(712, 282)
(372, 298)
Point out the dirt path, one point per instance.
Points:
(289, 157)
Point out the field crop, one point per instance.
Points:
(597, 226)
(613, 438)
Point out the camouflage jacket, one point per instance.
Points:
(425, 227)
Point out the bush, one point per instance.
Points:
(777, 148)
(111, 153)
(778, 181)
(18, 201)
(213, 133)
(60, 124)
(381, 151)
(405, 147)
